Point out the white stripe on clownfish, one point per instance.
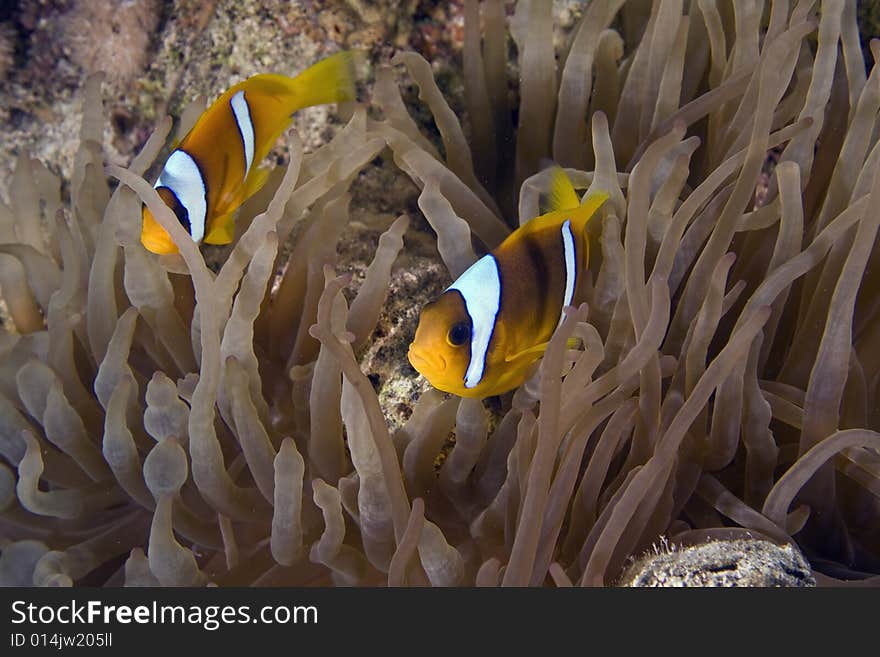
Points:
(183, 177)
(480, 287)
(570, 266)
(242, 114)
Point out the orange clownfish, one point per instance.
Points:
(213, 169)
(483, 334)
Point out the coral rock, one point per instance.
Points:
(735, 563)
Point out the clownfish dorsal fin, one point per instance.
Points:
(579, 215)
(562, 195)
(585, 211)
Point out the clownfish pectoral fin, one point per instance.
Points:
(538, 350)
(531, 353)
(255, 181)
(562, 195)
(222, 229)
(155, 238)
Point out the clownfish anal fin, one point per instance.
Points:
(222, 229)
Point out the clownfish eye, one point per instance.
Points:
(459, 334)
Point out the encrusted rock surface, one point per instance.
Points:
(737, 563)
(161, 54)
(417, 277)
(164, 54)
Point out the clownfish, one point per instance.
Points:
(486, 330)
(214, 168)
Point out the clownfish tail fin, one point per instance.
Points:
(331, 80)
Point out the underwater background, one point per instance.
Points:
(246, 414)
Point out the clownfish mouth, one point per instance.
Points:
(425, 362)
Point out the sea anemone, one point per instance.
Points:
(160, 423)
